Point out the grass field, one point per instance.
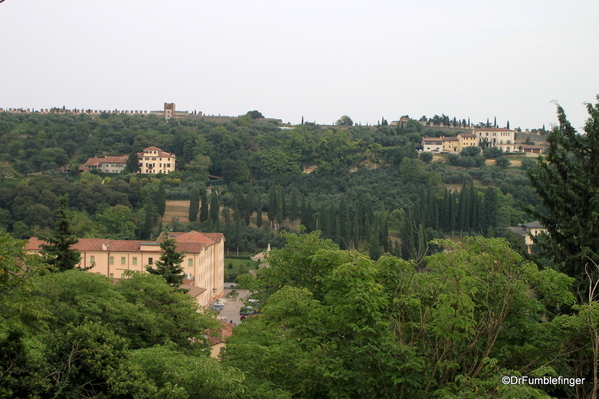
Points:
(238, 266)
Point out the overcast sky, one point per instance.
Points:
(319, 59)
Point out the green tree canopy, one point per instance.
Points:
(169, 265)
(345, 121)
(567, 180)
(58, 252)
(353, 327)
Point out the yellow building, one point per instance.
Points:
(204, 262)
(153, 160)
(451, 144)
(466, 140)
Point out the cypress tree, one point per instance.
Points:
(374, 245)
(294, 208)
(272, 204)
(194, 204)
(280, 215)
(337, 233)
(259, 217)
(250, 200)
(346, 229)
(161, 199)
(204, 207)
(214, 207)
(356, 234)
(323, 222)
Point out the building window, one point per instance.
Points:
(134, 260)
(150, 261)
(122, 260)
(111, 260)
(92, 259)
(189, 262)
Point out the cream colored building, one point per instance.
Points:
(109, 164)
(497, 137)
(153, 160)
(432, 144)
(204, 262)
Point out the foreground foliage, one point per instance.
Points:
(343, 326)
(76, 334)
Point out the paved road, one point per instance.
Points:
(231, 310)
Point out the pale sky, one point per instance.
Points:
(322, 59)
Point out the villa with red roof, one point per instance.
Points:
(110, 164)
(203, 263)
(153, 160)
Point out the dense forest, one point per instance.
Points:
(393, 274)
(364, 181)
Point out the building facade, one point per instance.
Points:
(432, 144)
(153, 160)
(109, 164)
(203, 263)
(497, 137)
(466, 140)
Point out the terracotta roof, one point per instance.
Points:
(207, 239)
(161, 153)
(95, 244)
(432, 139)
(108, 159)
(226, 331)
(218, 237)
(450, 139)
(493, 129)
(467, 135)
(192, 290)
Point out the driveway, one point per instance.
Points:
(232, 307)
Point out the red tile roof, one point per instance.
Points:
(161, 153)
(108, 159)
(493, 129)
(207, 239)
(95, 244)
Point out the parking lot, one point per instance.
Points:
(230, 311)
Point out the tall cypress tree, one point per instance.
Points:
(272, 204)
(214, 207)
(337, 231)
(280, 204)
(294, 207)
(194, 204)
(204, 207)
(161, 199)
(259, 217)
(356, 233)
